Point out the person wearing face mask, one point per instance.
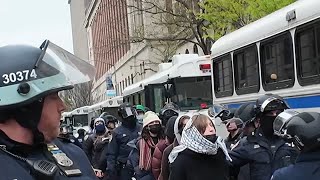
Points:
(118, 149)
(201, 153)
(301, 129)
(179, 123)
(100, 147)
(161, 146)
(99, 129)
(262, 150)
(140, 113)
(143, 148)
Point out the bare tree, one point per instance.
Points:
(79, 96)
(167, 23)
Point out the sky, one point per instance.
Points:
(33, 21)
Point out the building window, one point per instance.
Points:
(277, 62)
(308, 53)
(128, 80)
(195, 49)
(187, 51)
(132, 78)
(223, 81)
(246, 70)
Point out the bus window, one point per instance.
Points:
(223, 81)
(277, 62)
(142, 96)
(80, 120)
(158, 94)
(192, 92)
(136, 99)
(308, 54)
(246, 70)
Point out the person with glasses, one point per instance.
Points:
(262, 150)
(201, 153)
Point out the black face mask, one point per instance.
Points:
(212, 138)
(130, 122)
(155, 129)
(266, 124)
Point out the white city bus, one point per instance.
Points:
(186, 81)
(109, 106)
(278, 54)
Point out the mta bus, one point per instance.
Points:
(186, 81)
(277, 54)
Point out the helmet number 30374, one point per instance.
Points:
(19, 76)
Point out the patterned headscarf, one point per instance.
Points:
(192, 139)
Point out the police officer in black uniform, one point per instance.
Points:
(66, 132)
(118, 150)
(303, 130)
(262, 150)
(30, 111)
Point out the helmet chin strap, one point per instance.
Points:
(28, 117)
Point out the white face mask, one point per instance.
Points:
(140, 116)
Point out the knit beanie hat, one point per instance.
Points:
(150, 117)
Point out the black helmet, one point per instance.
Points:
(168, 111)
(304, 130)
(246, 112)
(270, 102)
(109, 118)
(126, 110)
(29, 74)
(226, 114)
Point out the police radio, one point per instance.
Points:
(40, 169)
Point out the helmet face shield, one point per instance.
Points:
(128, 111)
(272, 104)
(280, 122)
(51, 70)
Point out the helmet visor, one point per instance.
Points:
(128, 111)
(54, 70)
(280, 122)
(74, 69)
(272, 104)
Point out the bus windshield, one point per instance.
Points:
(80, 120)
(191, 93)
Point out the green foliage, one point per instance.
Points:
(226, 16)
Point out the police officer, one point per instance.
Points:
(118, 150)
(263, 151)
(234, 126)
(303, 130)
(30, 111)
(169, 110)
(66, 132)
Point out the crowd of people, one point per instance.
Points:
(147, 146)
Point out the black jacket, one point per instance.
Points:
(190, 165)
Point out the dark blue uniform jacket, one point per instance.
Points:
(11, 168)
(118, 150)
(306, 167)
(262, 155)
